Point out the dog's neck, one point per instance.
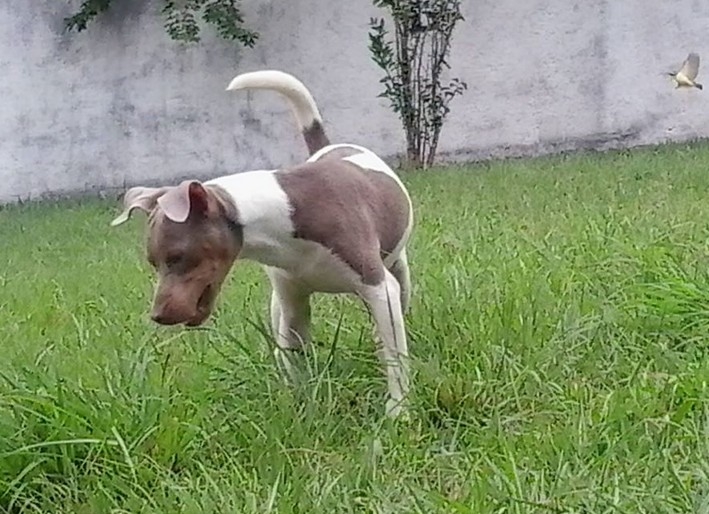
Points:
(262, 211)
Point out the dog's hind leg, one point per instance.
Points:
(400, 270)
(384, 302)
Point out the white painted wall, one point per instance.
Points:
(122, 104)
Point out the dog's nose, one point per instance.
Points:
(161, 318)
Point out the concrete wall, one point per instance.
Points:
(122, 104)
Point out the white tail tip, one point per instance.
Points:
(306, 110)
(263, 79)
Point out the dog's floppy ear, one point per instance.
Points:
(143, 198)
(190, 197)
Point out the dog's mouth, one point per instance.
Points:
(204, 306)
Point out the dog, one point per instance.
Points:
(337, 223)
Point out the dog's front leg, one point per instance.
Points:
(290, 320)
(384, 302)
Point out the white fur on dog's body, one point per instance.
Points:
(264, 211)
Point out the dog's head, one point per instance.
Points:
(193, 239)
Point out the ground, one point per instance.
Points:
(558, 331)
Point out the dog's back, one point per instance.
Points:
(348, 201)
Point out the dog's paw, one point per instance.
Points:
(290, 366)
(396, 409)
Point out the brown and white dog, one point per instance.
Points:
(337, 223)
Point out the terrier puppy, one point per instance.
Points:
(337, 223)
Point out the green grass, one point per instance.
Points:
(558, 332)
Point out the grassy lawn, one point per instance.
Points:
(558, 333)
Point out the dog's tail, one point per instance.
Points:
(302, 102)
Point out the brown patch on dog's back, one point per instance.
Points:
(349, 210)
